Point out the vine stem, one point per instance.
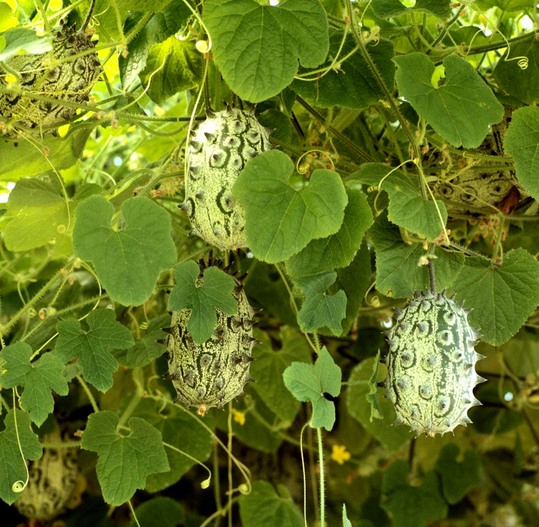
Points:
(334, 131)
(30, 303)
(89, 394)
(322, 486)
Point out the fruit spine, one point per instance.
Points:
(431, 364)
(69, 81)
(222, 145)
(216, 371)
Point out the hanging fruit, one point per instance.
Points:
(431, 364)
(222, 145)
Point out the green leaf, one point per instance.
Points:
(124, 461)
(393, 8)
(159, 512)
(178, 429)
(512, 79)
(7, 20)
(141, 5)
(61, 153)
(397, 271)
(147, 348)
(522, 142)
(461, 109)
(406, 206)
(412, 505)
(161, 26)
(127, 261)
(280, 220)
(21, 39)
(269, 366)
(458, 476)
(93, 346)
(372, 396)
(263, 507)
(40, 214)
(240, 29)
(309, 383)
(339, 249)
(503, 297)
(390, 437)
(12, 466)
(350, 84)
(354, 280)
(171, 67)
(203, 299)
(319, 309)
(38, 379)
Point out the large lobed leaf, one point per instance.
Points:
(461, 109)
(38, 378)
(202, 300)
(124, 461)
(93, 346)
(257, 47)
(280, 220)
(503, 297)
(127, 261)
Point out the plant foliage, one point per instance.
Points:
(404, 157)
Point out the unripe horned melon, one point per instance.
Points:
(431, 364)
(216, 371)
(222, 145)
(69, 81)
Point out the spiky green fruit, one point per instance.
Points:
(216, 371)
(52, 482)
(222, 145)
(70, 81)
(431, 364)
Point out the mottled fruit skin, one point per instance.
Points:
(66, 81)
(215, 157)
(215, 372)
(431, 364)
(52, 482)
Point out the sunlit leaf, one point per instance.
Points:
(294, 30)
(128, 261)
(461, 109)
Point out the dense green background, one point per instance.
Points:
(376, 106)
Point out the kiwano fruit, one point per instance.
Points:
(52, 482)
(69, 81)
(216, 371)
(431, 364)
(222, 145)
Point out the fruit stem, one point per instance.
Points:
(88, 18)
(431, 275)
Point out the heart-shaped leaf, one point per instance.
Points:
(461, 109)
(257, 47)
(280, 220)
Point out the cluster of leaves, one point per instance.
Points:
(376, 109)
